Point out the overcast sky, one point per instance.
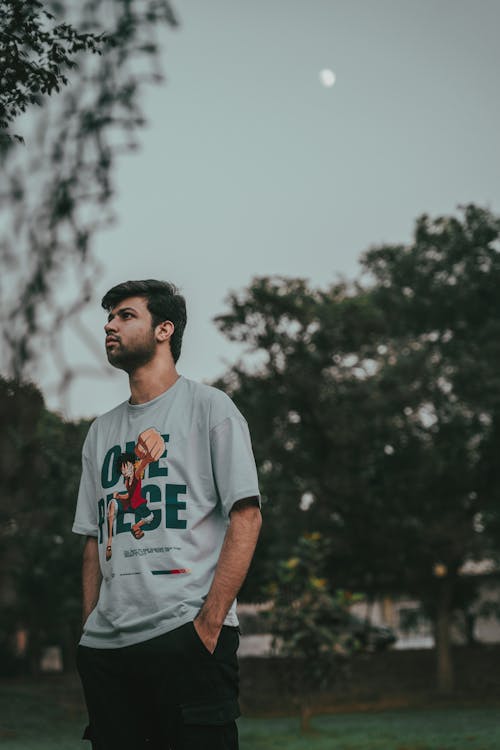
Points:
(251, 166)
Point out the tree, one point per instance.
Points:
(374, 411)
(306, 619)
(21, 405)
(35, 55)
(41, 558)
(311, 417)
(57, 190)
(442, 321)
(48, 580)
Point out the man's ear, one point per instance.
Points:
(165, 330)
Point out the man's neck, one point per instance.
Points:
(150, 381)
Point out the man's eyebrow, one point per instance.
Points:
(121, 310)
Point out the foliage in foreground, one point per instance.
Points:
(36, 53)
(57, 190)
(305, 610)
(306, 621)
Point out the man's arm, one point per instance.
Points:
(232, 567)
(91, 576)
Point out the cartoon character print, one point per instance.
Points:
(149, 447)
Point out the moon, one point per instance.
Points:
(327, 77)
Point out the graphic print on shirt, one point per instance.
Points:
(150, 447)
(136, 496)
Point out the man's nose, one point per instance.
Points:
(110, 326)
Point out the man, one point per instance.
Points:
(157, 657)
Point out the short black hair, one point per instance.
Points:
(125, 458)
(163, 301)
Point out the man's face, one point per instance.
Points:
(130, 337)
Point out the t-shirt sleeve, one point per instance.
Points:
(86, 521)
(233, 462)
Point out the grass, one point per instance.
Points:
(40, 717)
(48, 716)
(451, 729)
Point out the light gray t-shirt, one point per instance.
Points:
(158, 582)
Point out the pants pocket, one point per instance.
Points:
(199, 643)
(210, 682)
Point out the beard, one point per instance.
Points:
(133, 356)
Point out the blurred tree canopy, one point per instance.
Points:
(40, 557)
(34, 56)
(57, 190)
(374, 411)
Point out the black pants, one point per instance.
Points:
(168, 693)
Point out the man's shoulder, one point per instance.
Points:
(214, 402)
(206, 392)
